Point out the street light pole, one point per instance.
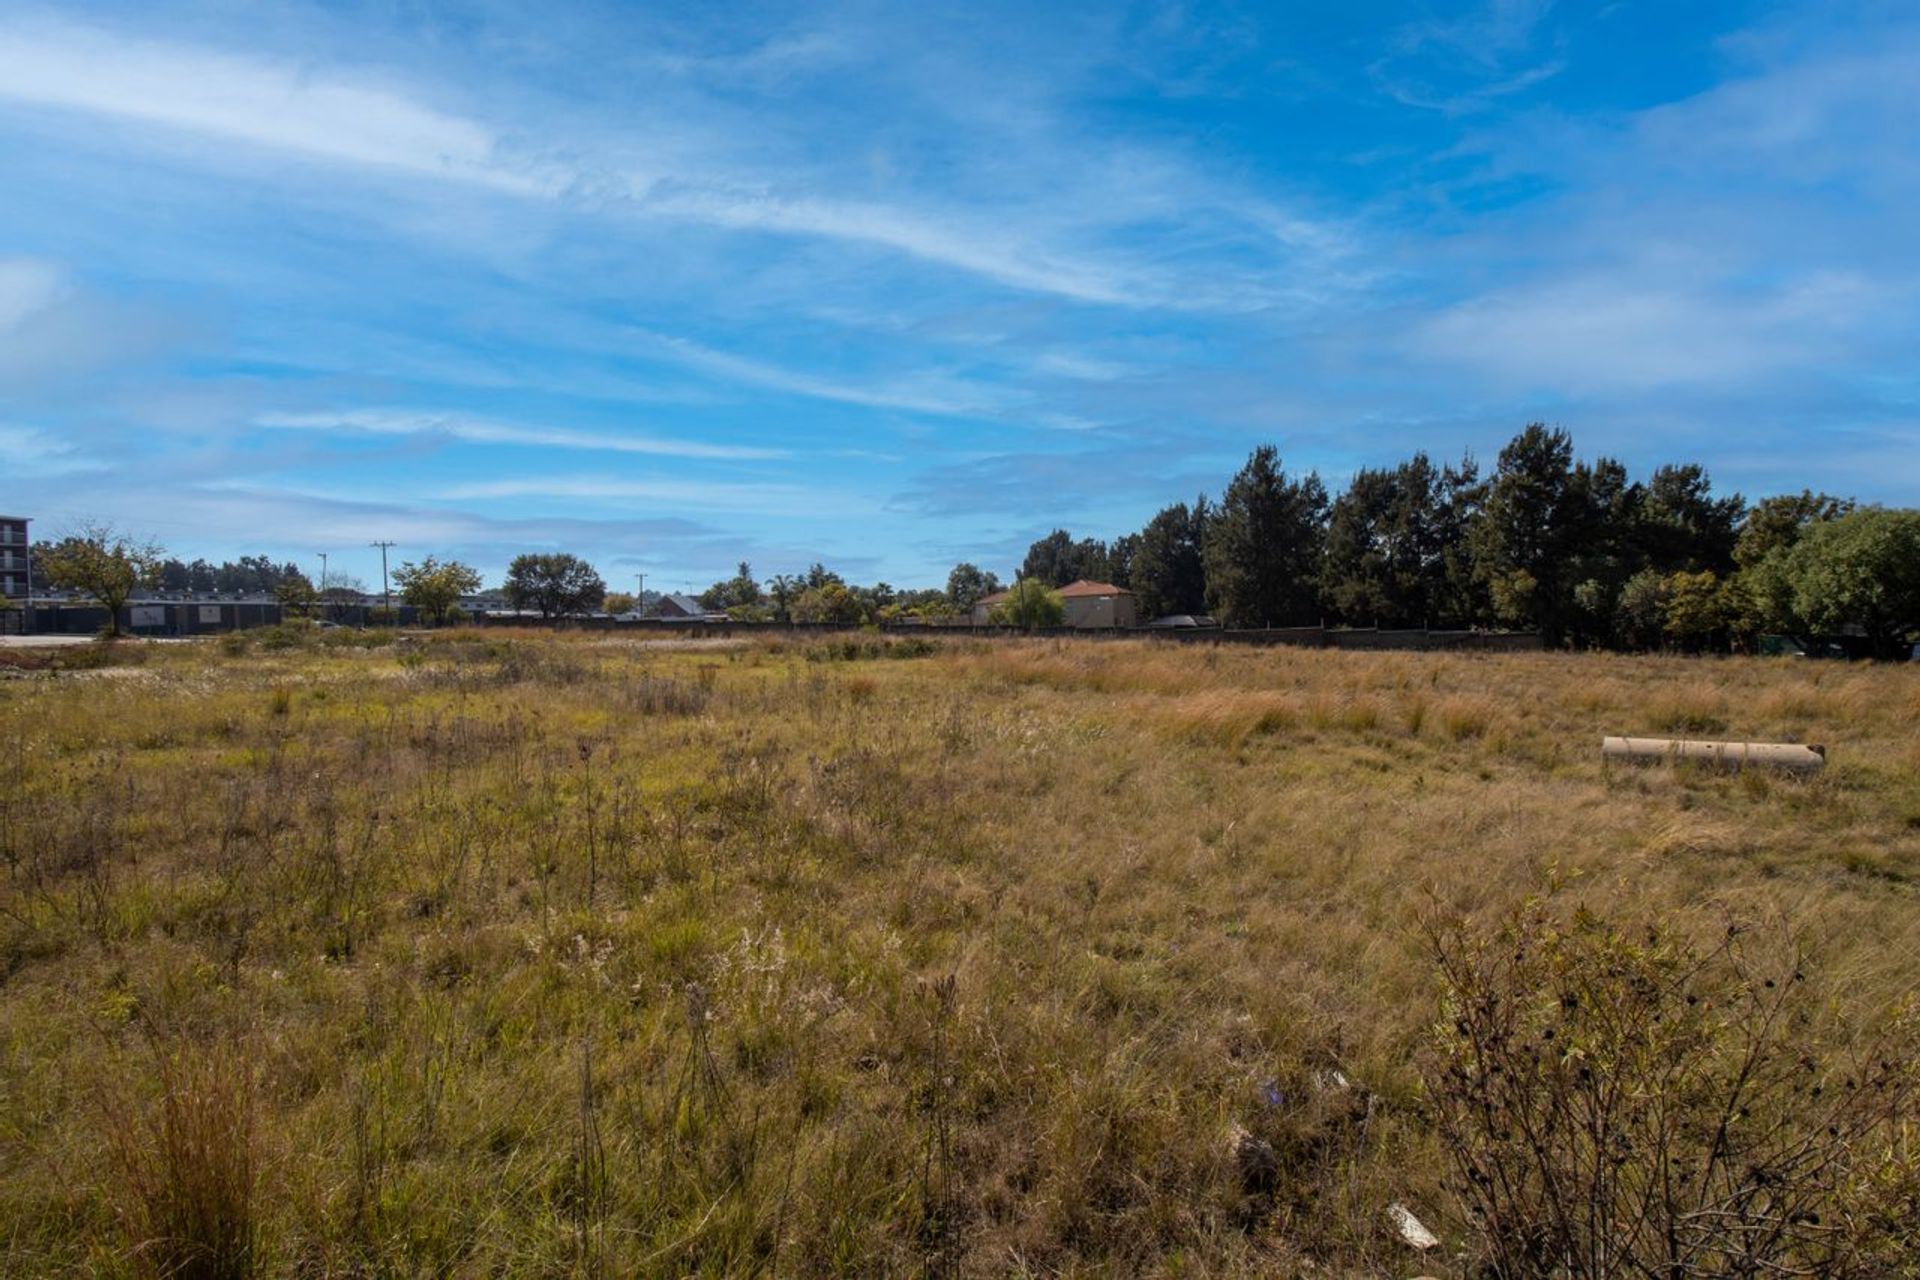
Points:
(386, 594)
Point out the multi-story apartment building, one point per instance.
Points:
(16, 563)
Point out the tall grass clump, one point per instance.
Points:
(188, 1170)
(1462, 719)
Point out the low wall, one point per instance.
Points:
(1359, 638)
(192, 618)
(188, 617)
(1299, 637)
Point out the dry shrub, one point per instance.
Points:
(1414, 709)
(551, 665)
(1230, 718)
(1163, 667)
(1464, 718)
(1617, 1106)
(653, 695)
(1791, 705)
(1692, 710)
(1361, 715)
(188, 1168)
(1691, 834)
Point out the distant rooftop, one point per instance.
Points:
(1087, 587)
(1072, 591)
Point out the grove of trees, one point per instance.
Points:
(1577, 549)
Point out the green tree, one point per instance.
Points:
(1058, 560)
(968, 583)
(1463, 593)
(1776, 523)
(931, 602)
(1683, 526)
(1861, 569)
(736, 592)
(296, 594)
(1532, 544)
(1263, 549)
(1603, 520)
(832, 601)
(435, 586)
(1387, 539)
(556, 584)
(1640, 610)
(1031, 602)
(1762, 590)
(102, 564)
(782, 588)
(1121, 553)
(1169, 573)
(1696, 608)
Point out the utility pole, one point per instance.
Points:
(386, 594)
(640, 579)
(323, 571)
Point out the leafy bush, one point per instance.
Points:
(344, 638)
(295, 633)
(858, 650)
(1030, 603)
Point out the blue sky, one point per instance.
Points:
(892, 285)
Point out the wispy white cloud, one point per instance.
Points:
(474, 430)
(1631, 332)
(29, 453)
(946, 240)
(1080, 366)
(783, 499)
(282, 105)
(1465, 62)
(928, 393)
(28, 286)
(1062, 248)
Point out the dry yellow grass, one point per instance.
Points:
(563, 955)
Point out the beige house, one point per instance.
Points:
(1089, 605)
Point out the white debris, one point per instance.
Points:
(1411, 1229)
(1331, 1078)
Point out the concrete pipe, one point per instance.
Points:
(1790, 756)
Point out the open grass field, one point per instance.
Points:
(498, 954)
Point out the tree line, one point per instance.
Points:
(1577, 549)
